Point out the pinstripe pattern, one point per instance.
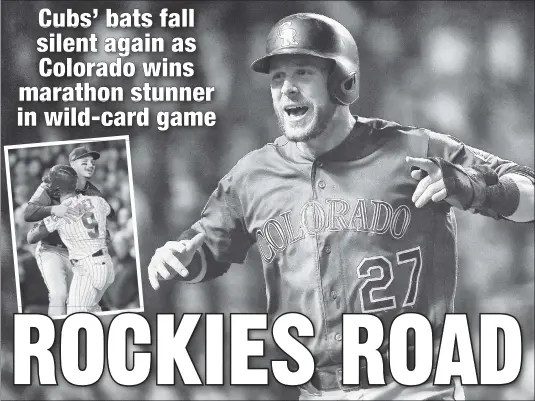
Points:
(83, 237)
(87, 234)
(92, 277)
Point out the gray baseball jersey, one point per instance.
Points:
(339, 234)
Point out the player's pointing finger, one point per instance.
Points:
(421, 163)
(417, 174)
(196, 242)
(177, 246)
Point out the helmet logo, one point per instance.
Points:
(287, 34)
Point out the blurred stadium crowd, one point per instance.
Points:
(460, 68)
(27, 167)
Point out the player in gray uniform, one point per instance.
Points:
(350, 214)
(51, 253)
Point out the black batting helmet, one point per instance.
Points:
(62, 179)
(320, 36)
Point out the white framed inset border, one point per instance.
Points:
(126, 138)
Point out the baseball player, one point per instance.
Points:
(51, 253)
(82, 160)
(84, 234)
(350, 214)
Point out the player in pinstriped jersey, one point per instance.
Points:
(84, 234)
(51, 253)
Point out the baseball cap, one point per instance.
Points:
(80, 152)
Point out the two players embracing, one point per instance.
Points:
(71, 235)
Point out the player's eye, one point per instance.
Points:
(277, 77)
(304, 71)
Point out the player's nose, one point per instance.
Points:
(289, 88)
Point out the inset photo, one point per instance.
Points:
(73, 225)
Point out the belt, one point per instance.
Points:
(58, 245)
(100, 252)
(330, 377)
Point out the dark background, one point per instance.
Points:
(461, 68)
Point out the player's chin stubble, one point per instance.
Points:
(301, 134)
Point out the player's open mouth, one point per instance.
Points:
(295, 112)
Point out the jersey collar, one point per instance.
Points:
(84, 189)
(362, 141)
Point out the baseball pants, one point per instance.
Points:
(91, 278)
(56, 270)
(393, 391)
